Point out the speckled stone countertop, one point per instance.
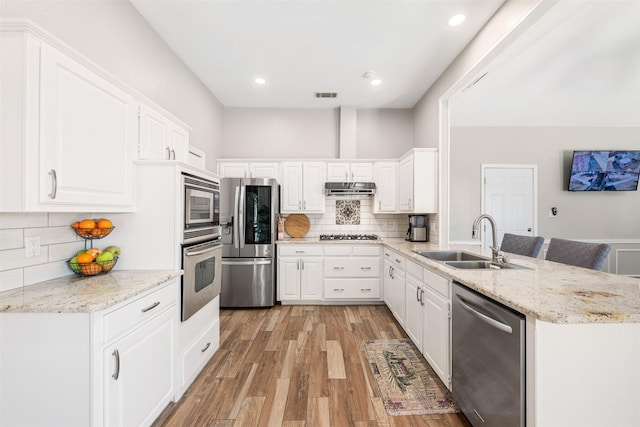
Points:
(546, 290)
(76, 294)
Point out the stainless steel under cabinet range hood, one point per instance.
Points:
(350, 188)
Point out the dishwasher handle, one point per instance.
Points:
(488, 320)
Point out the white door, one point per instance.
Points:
(405, 184)
(386, 176)
(310, 278)
(289, 278)
(509, 197)
(313, 187)
(291, 189)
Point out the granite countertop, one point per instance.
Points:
(546, 290)
(316, 240)
(76, 294)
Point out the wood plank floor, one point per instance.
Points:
(294, 366)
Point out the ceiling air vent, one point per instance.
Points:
(326, 94)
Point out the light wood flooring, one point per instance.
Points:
(294, 366)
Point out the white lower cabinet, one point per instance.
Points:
(352, 272)
(394, 284)
(413, 309)
(299, 272)
(109, 368)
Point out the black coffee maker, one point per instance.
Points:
(418, 229)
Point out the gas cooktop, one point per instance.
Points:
(348, 237)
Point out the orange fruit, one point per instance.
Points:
(75, 225)
(91, 269)
(104, 223)
(96, 232)
(87, 223)
(84, 258)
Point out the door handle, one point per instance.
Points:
(488, 320)
(151, 307)
(116, 374)
(54, 184)
(529, 229)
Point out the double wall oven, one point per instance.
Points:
(201, 244)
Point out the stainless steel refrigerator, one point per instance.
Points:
(249, 210)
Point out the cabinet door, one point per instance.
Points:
(405, 184)
(310, 278)
(179, 142)
(154, 135)
(291, 188)
(398, 295)
(264, 170)
(289, 278)
(233, 170)
(362, 172)
(88, 135)
(386, 179)
(313, 187)
(139, 373)
(338, 172)
(435, 338)
(413, 310)
(387, 284)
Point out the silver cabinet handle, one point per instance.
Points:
(168, 153)
(206, 347)
(338, 268)
(338, 290)
(387, 254)
(151, 307)
(174, 153)
(379, 204)
(300, 252)
(116, 374)
(421, 294)
(54, 184)
(302, 262)
(299, 204)
(365, 268)
(391, 272)
(417, 292)
(398, 261)
(298, 265)
(410, 205)
(365, 289)
(304, 204)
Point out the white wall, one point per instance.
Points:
(114, 35)
(581, 215)
(281, 133)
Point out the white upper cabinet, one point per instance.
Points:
(349, 172)
(235, 169)
(302, 188)
(160, 137)
(418, 180)
(386, 179)
(69, 131)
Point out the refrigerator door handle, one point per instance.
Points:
(265, 261)
(243, 191)
(235, 217)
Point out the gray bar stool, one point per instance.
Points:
(522, 245)
(580, 254)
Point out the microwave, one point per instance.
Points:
(201, 208)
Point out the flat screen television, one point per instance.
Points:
(605, 170)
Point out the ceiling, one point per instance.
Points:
(578, 65)
(306, 46)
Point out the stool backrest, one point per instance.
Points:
(580, 254)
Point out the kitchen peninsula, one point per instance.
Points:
(582, 332)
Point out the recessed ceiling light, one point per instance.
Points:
(259, 81)
(376, 82)
(456, 20)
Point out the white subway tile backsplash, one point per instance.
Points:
(60, 219)
(64, 251)
(42, 272)
(22, 220)
(52, 235)
(11, 239)
(11, 279)
(16, 258)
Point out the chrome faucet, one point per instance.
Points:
(497, 256)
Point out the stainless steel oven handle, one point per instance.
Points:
(247, 262)
(203, 249)
(489, 320)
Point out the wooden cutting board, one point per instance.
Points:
(297, 225)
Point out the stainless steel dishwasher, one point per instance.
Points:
(488, 360)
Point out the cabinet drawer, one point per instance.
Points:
(337, 250)
(198, 353)
(366, 250)
(352, 288)
(299, 250)
(139, 311)
(396, 259)
(414, 269)
(436, 282)
(351, 267)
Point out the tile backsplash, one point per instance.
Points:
(58, 243)
(344, 220)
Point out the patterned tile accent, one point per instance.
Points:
(348, 212)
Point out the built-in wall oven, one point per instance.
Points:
(201, 244)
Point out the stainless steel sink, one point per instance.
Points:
(451, 256)
(481, 265)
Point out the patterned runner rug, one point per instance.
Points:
(408, 385)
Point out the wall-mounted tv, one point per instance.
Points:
(605, 170)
